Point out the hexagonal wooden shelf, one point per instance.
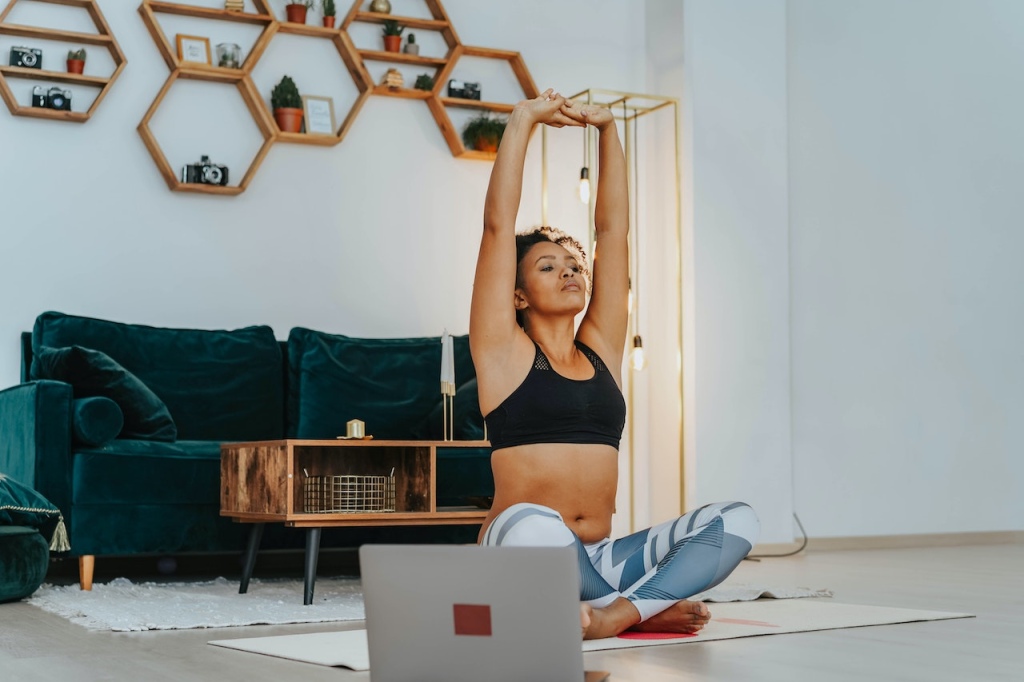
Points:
(265, 18)
(102, 38)
(438, 103)
(439, 23)
(252, 101)
(359, 75)
(353, 58)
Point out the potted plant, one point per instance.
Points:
(76, 60)
(287, 105)
(411, 47)
(295, 10)
(483, 133)
(392, 35)
(329, 12)
(424, 81)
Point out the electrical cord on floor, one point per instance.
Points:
(803, 545)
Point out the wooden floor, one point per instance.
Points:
(985, 580)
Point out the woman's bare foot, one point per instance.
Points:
(685, 617)
(609, 621)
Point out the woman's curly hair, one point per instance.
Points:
(538, 235)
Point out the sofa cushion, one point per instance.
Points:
(391, 384)
(20, 505)
(218, 384)
(93, 373)
(134, 472)
(96, 421)
(467, 420)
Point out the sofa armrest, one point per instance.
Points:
(35, 438)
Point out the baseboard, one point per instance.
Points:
(894, 542)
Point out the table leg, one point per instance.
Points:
(255, 535)
(312, 552)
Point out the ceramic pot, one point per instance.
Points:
(289, 119)
(392, 43)
(76, 65)
(296, 13)
(329, 22)
(485, 144)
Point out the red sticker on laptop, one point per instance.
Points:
(472, 619)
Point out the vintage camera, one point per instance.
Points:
(205, 173)
(28, 57)
(463, 89)
(54, 98)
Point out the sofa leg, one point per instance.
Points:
(86, 564)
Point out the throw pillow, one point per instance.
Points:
(96, 421)
(23, 506)
(92, 373)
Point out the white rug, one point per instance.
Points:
(348, 648)
(124, 606)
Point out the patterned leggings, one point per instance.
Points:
(654, 568)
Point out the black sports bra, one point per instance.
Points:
(550, 408)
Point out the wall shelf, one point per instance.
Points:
(249, 96)
(102, 38)
(406, 93)
(53, 76)
(462, 103)
(402, 58)
(54, 34)
(211, 13)
(355, 62)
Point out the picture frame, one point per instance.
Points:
(319, 115)
(194, 49)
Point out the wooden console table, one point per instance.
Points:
(262, 482)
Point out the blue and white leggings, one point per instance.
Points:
(654, 568)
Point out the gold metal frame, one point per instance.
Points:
(628, 107)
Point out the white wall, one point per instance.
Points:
(906, 166)
(736, 268)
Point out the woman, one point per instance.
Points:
(553, 401)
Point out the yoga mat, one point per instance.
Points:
(728, 621)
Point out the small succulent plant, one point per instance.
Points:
(392, 28)
(285, 95)
(77, 54)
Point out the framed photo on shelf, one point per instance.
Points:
(194, 49)
(319, 115)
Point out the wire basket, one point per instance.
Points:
(348, 494)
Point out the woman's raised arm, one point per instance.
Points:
(492, 319)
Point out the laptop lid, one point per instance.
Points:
(445, 613)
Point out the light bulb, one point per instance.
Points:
(637, 358)
(585, 185)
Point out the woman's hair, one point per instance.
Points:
(538, 235)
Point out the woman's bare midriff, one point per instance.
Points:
(577, 481)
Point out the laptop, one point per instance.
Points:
(456, 613)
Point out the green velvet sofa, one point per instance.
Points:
(127, 487)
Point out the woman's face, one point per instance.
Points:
(550, 281)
